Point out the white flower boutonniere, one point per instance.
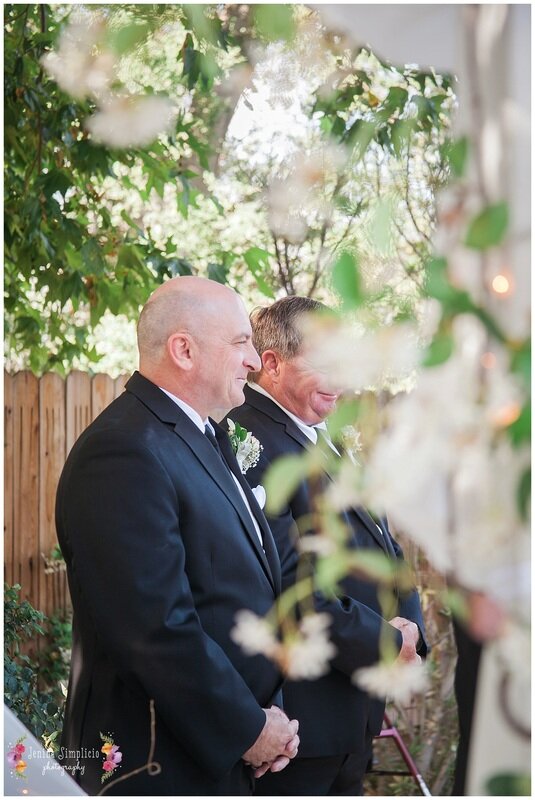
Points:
(246, 447)
(350, 438)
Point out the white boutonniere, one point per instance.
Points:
(246, 447)
(350, 439)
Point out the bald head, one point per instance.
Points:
(187, 304)
(195, 341)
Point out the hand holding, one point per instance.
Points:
(278, 738)
(411, 635)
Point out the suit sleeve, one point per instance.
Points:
(128, 561)
(409, 605)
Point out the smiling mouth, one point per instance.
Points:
(328, 395)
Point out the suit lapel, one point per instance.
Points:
(204, 452)
(268, 554)
(271, 409)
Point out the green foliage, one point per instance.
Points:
(66, 261)
(274, 21)
(456, 154)
(41, 711)
(439, 350)
(282, 479)
(54, 658)
(509, 784)
(489, 227)
(258, 262)
(346, 281)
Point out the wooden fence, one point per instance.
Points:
(43, 417)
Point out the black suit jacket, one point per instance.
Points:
(335, 716)
(161, 553)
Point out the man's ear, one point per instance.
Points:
(271, 362)
(180, 348)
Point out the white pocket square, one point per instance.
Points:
(260, 495)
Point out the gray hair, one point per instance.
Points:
(163, 316)
(277, 326)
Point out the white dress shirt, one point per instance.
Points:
(200, 424)
(310, 431)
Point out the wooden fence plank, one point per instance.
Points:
(25, 484)
(119, 384)
(102, 393)
(77, 406)
(42, 420)
(52, 436)
(8, 479)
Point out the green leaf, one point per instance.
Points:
(524, 493)
(218, 272)
(520, 430)
(282, 478)
(258, 262)
(381, 225)
(274, 22)
(439, 350)
(346, 281)
(128, 36)
(345, 413)
(359, 135)
(509, 784)
(489, 227)
(456, 153)
(521, 362)
(92, 258)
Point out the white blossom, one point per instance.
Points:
(356, 360)
(441, 472)
(296, 196)
(317, 543)
(346, 489)
(398, 681)
(307, 655)
(253, 634)
(81, 65)
(351, 441)
(131, 120)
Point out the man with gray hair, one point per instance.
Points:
(286, 405)
(164, 542)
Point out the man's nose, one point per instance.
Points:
(254, 363)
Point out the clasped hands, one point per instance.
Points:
(411, 635)
(276, 745)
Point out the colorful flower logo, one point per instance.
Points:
(15, 760)
(112, 756)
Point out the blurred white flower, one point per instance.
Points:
(80, 64)
(296, 198)
(131, 120)
(443, 470)
(398, 681)
(346, 489)
(357, 361)
(308, 654)
(253, 634)
(305, 653)
(317, 543)
(429, 315)
(488, 531)
(351, 441)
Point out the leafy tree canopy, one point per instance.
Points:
(92, 228)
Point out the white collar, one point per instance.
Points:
(310, 431)
(194, 416)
